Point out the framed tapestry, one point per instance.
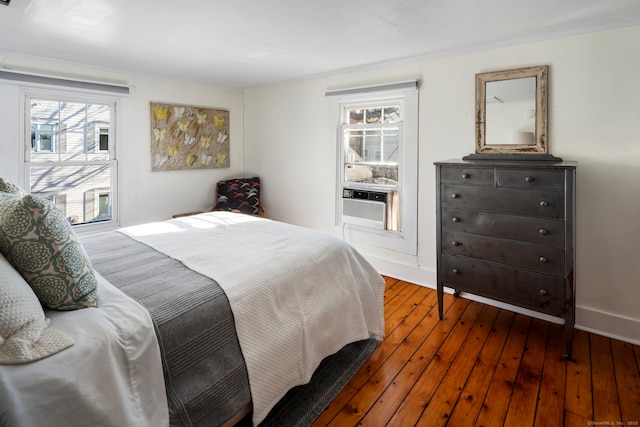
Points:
(186, 137)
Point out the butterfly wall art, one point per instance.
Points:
(187, 137)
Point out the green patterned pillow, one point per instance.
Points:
(9, 187)
(39, 242)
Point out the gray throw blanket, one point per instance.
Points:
(205, 373)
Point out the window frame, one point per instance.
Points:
(79, 96)
(404, 239)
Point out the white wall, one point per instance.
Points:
(159, 195)
(594, 118)
(145, 195)
(289, 151)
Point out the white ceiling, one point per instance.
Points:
(246, 43)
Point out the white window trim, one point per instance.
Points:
(405, 240)
(75, 95)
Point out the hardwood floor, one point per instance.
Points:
(484, 366)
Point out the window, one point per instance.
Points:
(376, 193)
(103, 139)
(104, 205)
(70, 156)
(97, 205)
(98, 137)
(42, 137)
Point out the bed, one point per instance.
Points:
(199, 320)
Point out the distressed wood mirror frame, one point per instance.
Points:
(539, 145)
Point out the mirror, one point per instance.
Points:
(511, 111)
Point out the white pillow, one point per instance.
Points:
(24, 336)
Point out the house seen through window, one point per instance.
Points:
(70, 156)
(372, 142)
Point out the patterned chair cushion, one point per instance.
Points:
(39, 242)
(239, 195)
(24, 333)
(9, 187)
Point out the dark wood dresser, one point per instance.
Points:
(506, 231)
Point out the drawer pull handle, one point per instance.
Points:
(465, 176)
(542, 231)
(454, 243)
(455, 195)
(543, 292)
(544, 203)
(455, 271)
(455, 219)
(529, 179)
(543, 259)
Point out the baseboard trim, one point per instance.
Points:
(608, 324)
(588, 319)
(406, 272)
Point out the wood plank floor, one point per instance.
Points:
(484, 366)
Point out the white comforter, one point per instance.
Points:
(297, 295)
(112, 376)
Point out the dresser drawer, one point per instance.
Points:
(467, 175)
(544, 259)
(535, 291)
(534, 202)
(523, 178)
(545, 231)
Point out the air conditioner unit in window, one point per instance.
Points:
(366, 208)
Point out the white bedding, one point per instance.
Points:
(112, 376)
(310, 293)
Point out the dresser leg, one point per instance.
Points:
(568, 335)
(456, 293)
(440, 302)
